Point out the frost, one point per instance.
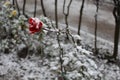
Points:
(73, 75)
(77, 37)
(21, 46)
(65, 61)
(44, 59)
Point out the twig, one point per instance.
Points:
(66, 15)
(56, 14)
(35, 8)
(43, 8)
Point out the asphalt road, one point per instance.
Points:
(105, 17)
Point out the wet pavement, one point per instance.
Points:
(105, 17)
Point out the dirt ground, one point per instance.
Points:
(105, 17)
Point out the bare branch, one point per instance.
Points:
(24, 3)
(18, 9)
(80, 17)
(56, 13)
(43, 8)
(96, 26)
(35, 8)
(66, 15)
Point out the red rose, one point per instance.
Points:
(35, 25)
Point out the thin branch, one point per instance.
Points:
(56, 13)
(80, 17)
(13, 2)
(64, 6)
(35, 8)
(68, 8)
(61, 52)
(66, 15)
(24, 3)
(43, 8)
(18, 9)
(116, 14)
(96, 26)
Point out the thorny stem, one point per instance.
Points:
(58, 32)
(61, 53)
(60, 47)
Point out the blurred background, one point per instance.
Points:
(106, 23)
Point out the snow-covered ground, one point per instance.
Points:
(42, 61)
(79, 63)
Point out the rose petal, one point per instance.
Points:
(35, 25)
(30, 20)
(40, 24)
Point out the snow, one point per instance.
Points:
(79, 63)
(43, 60)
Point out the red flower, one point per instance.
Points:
(35, 25)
